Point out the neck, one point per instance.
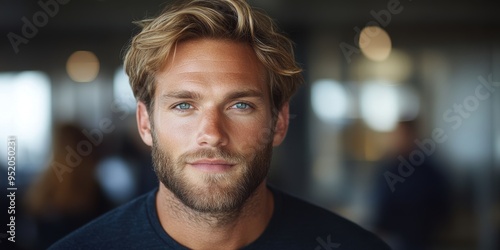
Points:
(231, 230)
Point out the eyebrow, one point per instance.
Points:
(186, 94)
(183, 94)
(245, 93)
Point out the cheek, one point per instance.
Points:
(253, 136)
(173, 133)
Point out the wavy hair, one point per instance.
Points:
(220, 19)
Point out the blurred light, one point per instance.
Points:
(117, 179)
(26, 100)
(82, 66)
(379, 106)
(329, 100)
(397, 68)
(375, 43)
(122, 91)
(384, 104)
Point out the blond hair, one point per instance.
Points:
(221, 19)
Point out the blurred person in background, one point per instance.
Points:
(213, 81)
(59, 206)
(410, 216)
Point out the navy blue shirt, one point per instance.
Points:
(295, 224)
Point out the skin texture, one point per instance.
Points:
(212, 133)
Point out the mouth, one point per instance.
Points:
(212, 165)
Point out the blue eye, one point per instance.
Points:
(241, 105)
(183, 106)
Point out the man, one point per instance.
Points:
(213, 80)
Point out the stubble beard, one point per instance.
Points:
(220, 196)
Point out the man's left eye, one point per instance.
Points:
(241, 105)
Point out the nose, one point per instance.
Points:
(212, 131)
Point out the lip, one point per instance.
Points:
(211, 165)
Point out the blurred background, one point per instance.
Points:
(397, 127)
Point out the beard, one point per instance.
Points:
(212, 193)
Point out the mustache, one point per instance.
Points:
(218, 153)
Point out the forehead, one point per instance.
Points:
(212, 58)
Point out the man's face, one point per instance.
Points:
(212, 129)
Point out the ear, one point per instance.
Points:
(143, 123)
(281, 126)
